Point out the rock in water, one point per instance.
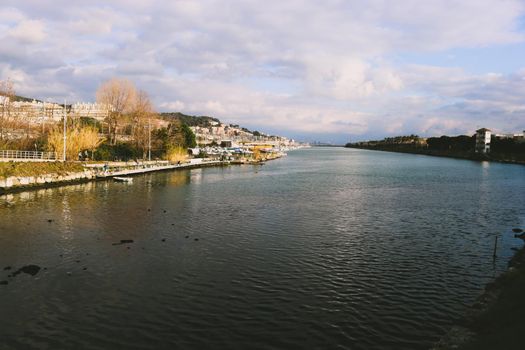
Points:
(517, 230)
(29, 269)
(7, 268)
(5, 283)
(123, 241)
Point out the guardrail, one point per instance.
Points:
(28, 155)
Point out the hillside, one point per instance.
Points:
(190, 120)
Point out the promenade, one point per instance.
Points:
(112, 169)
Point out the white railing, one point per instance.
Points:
(28, 155)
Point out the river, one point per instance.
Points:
(325, 248)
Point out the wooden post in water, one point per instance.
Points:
(495, 247)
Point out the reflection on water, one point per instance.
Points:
(327, 248)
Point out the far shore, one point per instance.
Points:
(466, 156)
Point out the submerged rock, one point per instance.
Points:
(163, 240)
(49, 220)
(196, 239)
(7, 268)
(123, 241)
(522, 236)
(5, 283)
(29, 269)
(517, 230)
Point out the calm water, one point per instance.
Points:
(326, 248)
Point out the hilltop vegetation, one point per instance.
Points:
(189, 120)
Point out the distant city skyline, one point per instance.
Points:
(330, 71)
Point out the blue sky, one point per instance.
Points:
(330, 71)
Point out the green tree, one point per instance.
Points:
(189, 137)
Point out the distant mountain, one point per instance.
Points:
(190, 120)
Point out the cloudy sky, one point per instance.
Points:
(329, 70)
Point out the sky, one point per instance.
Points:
(332, 70)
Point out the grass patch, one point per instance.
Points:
(22, 169)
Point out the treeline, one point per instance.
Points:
(460, 143)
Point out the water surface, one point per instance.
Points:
(326, 248)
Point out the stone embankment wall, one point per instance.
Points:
(15, 182)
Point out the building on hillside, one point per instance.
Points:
(483, 140)
(226, 143)
(90, 110)
(516, 137)
(36, 112)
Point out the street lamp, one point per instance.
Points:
(65, 132)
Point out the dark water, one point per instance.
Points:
(326, 248)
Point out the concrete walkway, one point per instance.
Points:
(147, 168)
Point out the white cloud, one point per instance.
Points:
(28, 31)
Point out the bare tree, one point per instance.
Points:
(141, 121)
(119, 95)
(7, 95)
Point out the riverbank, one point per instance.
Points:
(458, 155)
(495, 320)
(15, 177)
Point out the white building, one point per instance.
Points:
(483, 140)
(91, 110)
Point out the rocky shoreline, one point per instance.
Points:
(15, 183)
(495, 320)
